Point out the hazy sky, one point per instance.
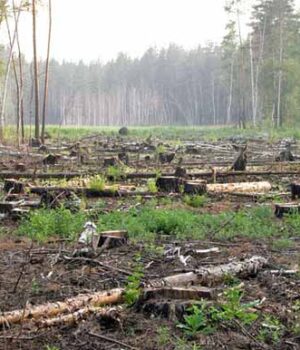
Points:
(100, 29)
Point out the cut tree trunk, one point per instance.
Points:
(169, 184)
(240, 187)
(195, 187)
(70, 305)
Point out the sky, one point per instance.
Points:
(100, 29)
(93, 30)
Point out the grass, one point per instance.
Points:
(41, 224)
(170, 133)
(148, 222)
(97, 183)
(195, 201)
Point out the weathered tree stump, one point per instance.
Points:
(286, 155)
(180, 172)
(169, 184)
(13, 186)
(123, 157)
(165, 158)
(51, 159)
(110, 239)
(43, 149)
(124, 131)
(295, 190)
(20, 167)
(195, 187)
(287, 208)
(35, 143)
(111, 161)
(240, 162)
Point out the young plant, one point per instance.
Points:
(271, 330)
(152, 186)
(97, 183)
(196, 201)
(196, 321)
(133, 286)
(232, 308)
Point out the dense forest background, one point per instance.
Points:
(253, 79)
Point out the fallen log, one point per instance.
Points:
(77, 316)
(241, 187)
(70, 305)
(247, 267)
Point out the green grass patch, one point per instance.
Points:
(41, 224)
(150, 221)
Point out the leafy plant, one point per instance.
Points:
(164, 336)
(196, 321)
(195, 201)
(151, 184)
(133, 286)
(40, 224)
(232, 308)
(97, 183)
(271, 330)
(115, 173)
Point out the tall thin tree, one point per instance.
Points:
(36, 76)
(47, 73)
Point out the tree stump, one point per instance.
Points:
(180, 172)
(123, 157)
(169, 184)
(240, 162)
(51, 159)
(166, 158)
(124, 131)
(112, 161)
(287, 208)
(195, 187)
(295, 190)
(13, 186)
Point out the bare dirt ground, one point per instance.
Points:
(33, 273)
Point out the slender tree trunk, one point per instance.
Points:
(21, 78)
(8, 66)
(47, 73)
(228, 118)
(17, 82)
(36, 76)
(279, 115)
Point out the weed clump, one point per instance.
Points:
(41, 224)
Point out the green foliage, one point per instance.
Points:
(97, 183)
(51, 347)
(282, 243)
(151, 184)
(133, 286)
(145, 222)
(271, 330)
(115, 173)
(232, 308)
(40, 224)
(195, 201)
(163, 336)
(35, 286)
(196, 321)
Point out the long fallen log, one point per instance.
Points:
(240, 187)
(247, 267)
(77, 316)
(68, 306)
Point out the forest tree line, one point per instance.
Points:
(253, 79)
